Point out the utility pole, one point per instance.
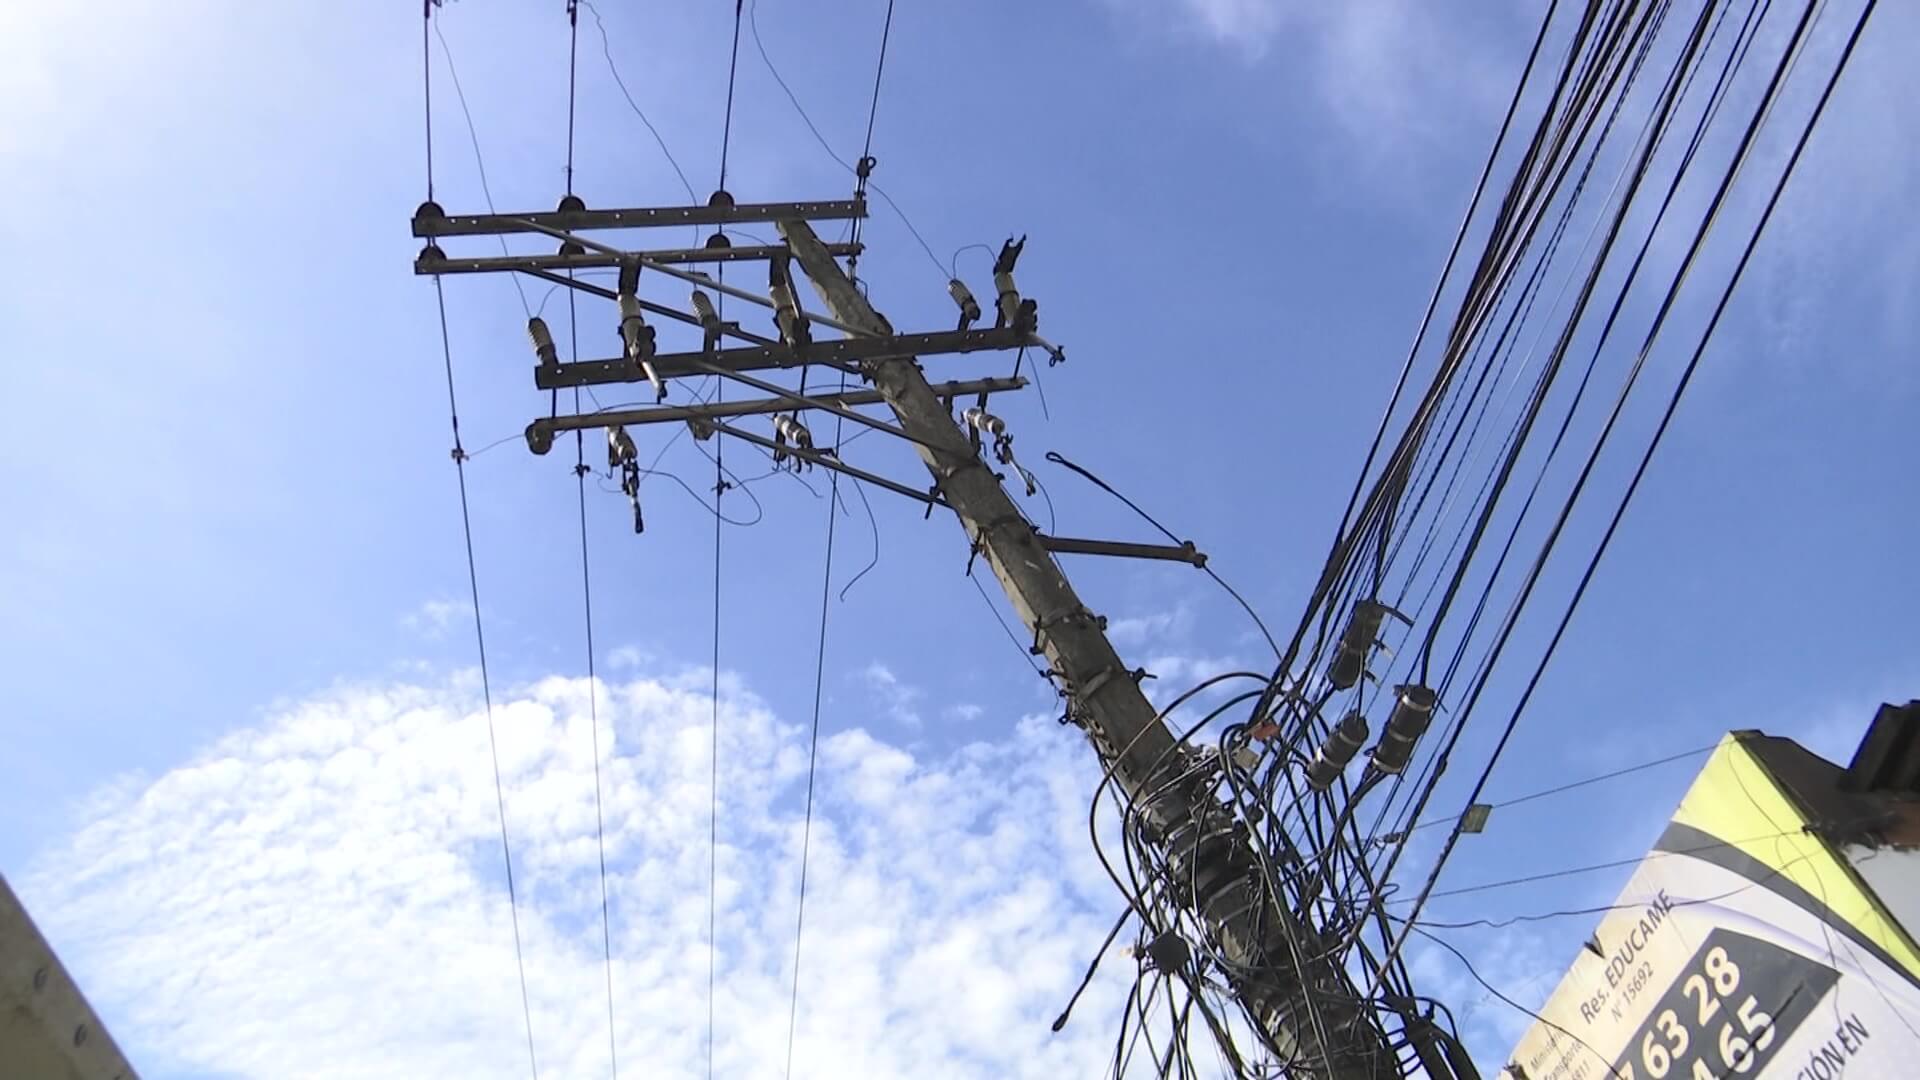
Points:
(1268, 949)
(1289, 976)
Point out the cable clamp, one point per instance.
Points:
(1077, 614)
(978, 544)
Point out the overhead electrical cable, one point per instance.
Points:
(753, 26)
(813, 751)
(473, 580)
(479, 159)
(1686, 376)
(580, 471)
(826, 576)
(606, 49)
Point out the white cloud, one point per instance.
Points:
(435, 617)
(1152, 628)
(629, 658)
(901, 702)
(321, 894)
(1247, 21)
(1390, 74)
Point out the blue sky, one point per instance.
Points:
(232, 511)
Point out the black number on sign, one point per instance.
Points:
(1696, 986)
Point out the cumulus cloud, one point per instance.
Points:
(899, 701)
(433, 618)
(1153, 627)
(1386, 72)
(321, 894)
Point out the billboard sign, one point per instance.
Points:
(1742, 946)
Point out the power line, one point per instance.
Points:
(733, 71)
(1669, 103)
(479, 159)
(1060, 459)
(1566, 787)
(473, 576)
(873, 107)
(606, 47)
(864, 170)
(1025, 657)
(813, 746)
(873, 528)
(713, 805)
(1543, 916)
(486, 685)
(593, 723)
(580, 471)
(1685, 379)
(1614, 864)
(720, 484)
(573, 79)
(753, 26)
(826, 576)
(426, 71)
(1491, 989)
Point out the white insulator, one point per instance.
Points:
(634, 330)
(542, 341)
(620, 448)
(793, 431)
(1008, 304)
(984, 421)
(963, 297)
(782, 297)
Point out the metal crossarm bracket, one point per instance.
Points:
(541, 432)
(430, 221)
(434, 261)
(837, 352)
(731, 329)
(795, 399)
(827, 460)
(1063, 545)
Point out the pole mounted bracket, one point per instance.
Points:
(1074, 616)
(1185, 552)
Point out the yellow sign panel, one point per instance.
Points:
(1743, 946)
